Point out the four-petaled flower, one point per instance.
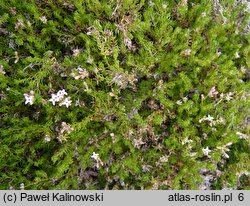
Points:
(206, 151)
(66, 102)
(54, 99)
(59, 97)
(29, 98)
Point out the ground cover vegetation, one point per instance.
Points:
(124, 94)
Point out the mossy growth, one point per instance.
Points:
(124, 94)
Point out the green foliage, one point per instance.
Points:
(157, 95)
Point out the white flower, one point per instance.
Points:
(184, 2)
(90, 60)
(29, 23)
(77, 103)
(54, 98)
(89, 33)
(164, 6)
(220, 121)
(203, 14)
(186, 140)
(218, 52)
(22, 186)
(2, 70)
(237, 56)
(208, 118)
(151, 3)
(47, 138)
(164, 158)
(179, 102)
(184, 99)
(187, 52)
(82, 73)
(95, 156)
(224, 149)
(66, 102)
(43, 19)
(229, 96)
(59, 97)
(242, 136)
(206, 151)
(29, 98)
(60, 94)
(192, 154)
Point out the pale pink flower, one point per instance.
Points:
(66, 128)
(187, 52)
(76, 52)
(206, 151)
(212, 92)
(60, 94)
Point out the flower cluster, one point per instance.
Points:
(228, 96)
(60, 97)
(211, 120)
(29, 98)
(96, 157)
(79, 73)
